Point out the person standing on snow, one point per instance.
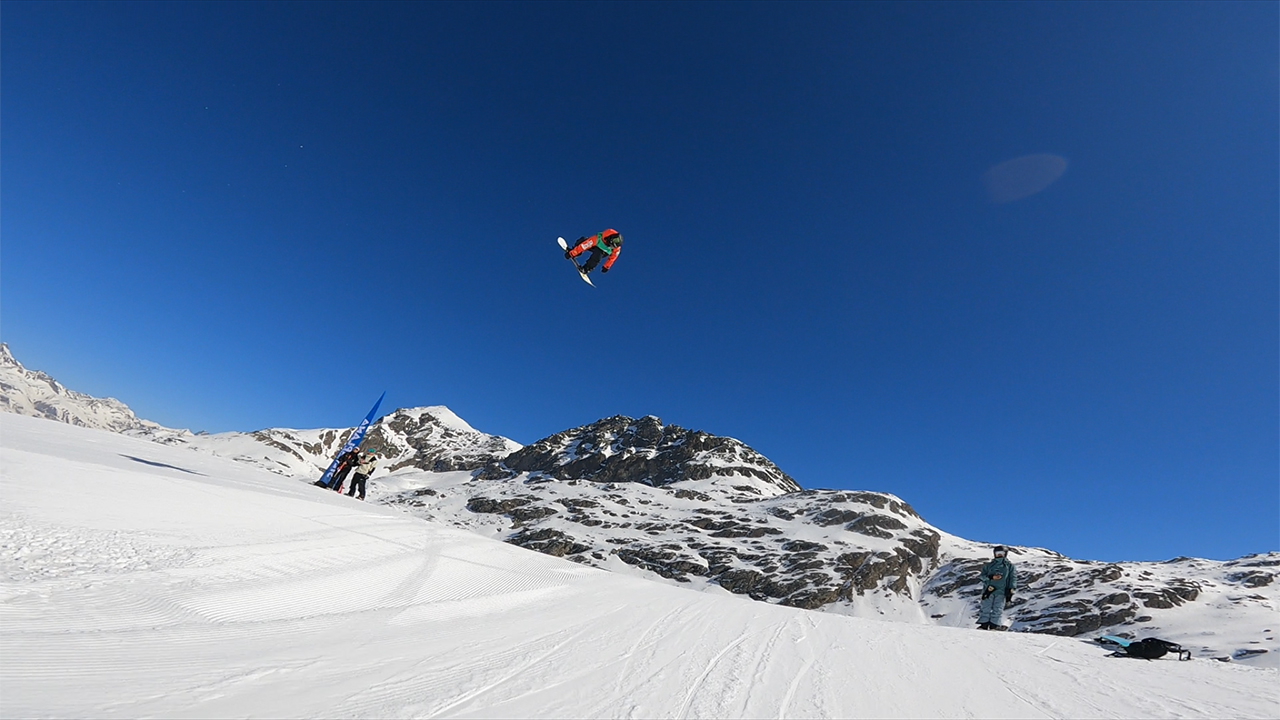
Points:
(999, 580)
(366, 467)
(607, 244)
(346, 461)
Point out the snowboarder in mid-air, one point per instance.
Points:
(603, 245)
(999, 580)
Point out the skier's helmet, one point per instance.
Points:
(999, 551)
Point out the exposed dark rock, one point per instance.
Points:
(707, 523)
(1075, 617)
(924, 543)
(835, 516)
(684, 494)
(804, 561)
(1115, 599)
(803, 546)
(742, 531)
(812, 599)
(550, 542)
(486, 505)
(875, 526)
(664, 562)
(1107, 574)
(742, 582)
(525, 513)
(1252, 578)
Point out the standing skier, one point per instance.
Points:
(999, 579)
(607, 244)
(346, 461)
(366, 467)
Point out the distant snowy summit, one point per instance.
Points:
(685, 507)
(33, 393)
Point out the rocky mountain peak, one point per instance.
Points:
(434, 438)
(622, 449)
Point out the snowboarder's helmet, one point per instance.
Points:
(999, 551)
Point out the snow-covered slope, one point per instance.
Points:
(853, 553)
(683, 507)
(138, 579)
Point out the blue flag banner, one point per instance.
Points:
(353, 442)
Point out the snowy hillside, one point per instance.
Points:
(852, 553)
(33, 393)
(139, 579)
(686, 508)
(428, 438)
(431, 438)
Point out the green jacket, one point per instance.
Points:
(605, 248)
(1008, 575)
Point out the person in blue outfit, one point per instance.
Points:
(999, 580)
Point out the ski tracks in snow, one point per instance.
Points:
(131, 589)
(806, 665)
(696, 686)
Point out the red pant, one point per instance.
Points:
(584, 245)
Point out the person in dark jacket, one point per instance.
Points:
(346, 461)
(999, 580)
(364, 469)
(606, 245)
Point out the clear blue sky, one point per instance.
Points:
(234, 216)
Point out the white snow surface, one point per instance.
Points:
(141, 580)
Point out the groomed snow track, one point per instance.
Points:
(142, 580)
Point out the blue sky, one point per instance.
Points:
(235, 215)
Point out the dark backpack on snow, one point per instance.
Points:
(1154, 648)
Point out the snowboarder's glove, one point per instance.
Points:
(986, 592)
(1008, 594)
(568, 255)
(604, 269)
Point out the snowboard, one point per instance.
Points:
(565, 246)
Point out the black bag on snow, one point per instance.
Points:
(1154, 648)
